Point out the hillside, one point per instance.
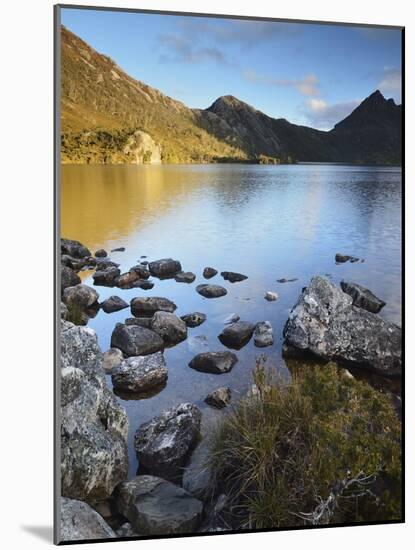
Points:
(109, 117)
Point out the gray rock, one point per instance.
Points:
(164, 268)
(125, 280)
(139, 374)
(119, 249)
(197, 476)
(232, 318)
(263, 335)
(271, 296)
(80, 522)
(81, 295)
(111, 359)
(164, 443)
(80, 349)
(105, 263)
(184, 277)
(324, 323)
(219, 398)
(237, 334)
(113, 303)
(233, 277)
(64, 311)
(74, 249)
(126, 530)
(106, 277)
(68, 278)
(209, 272)
(362, 297)
(214, 362)
(285, 280)
(66, 261)
(342, 258)
(143, 284)
(146, 307)
(141, 271)
(101, 253)
(170, 327)
(155, 506)
(194, 319)
(211, 291)
(135, 340)
(140, 321)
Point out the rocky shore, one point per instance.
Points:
(328, 323)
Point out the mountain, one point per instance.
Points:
(109, 117)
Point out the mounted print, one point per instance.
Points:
(229, 255)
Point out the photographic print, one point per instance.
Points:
(228, 274)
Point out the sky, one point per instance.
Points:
(310, 74)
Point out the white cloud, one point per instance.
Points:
(323, 115)
(309, 85)
(391, 82)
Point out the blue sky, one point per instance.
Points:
(308, 74)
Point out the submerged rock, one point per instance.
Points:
(184, 277)
(101, 253)
(194, 319)
(263, 335)
(285, 280)
(232, 318)
(155, 506)
(164, 268)
(146, 307)
(74, 249)
(68, 278)
(78, 521)
(214, 362)
(237, 334)
(170, 327)
(211, 291)
(219, 398)
(233, 277)
(324, 323)
(139, 374)
(113, 303)
(119, 249)
(271, 296)
(343, 258)
(209, 272)
(106, 277)
(135, 340)
(164, 443)
(111, 359)
(81, 295)
(362, 297)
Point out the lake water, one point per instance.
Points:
(267, 222)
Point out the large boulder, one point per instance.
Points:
(135, 340)
(214, 362)
(163, 444)
(211, 291)
(233, 277)
(68, 278)
(80, 522)
(146, 307)
(139, 374)
(155, 506)
(164, 268)
(170, 327)
(237, 334)
(362, 297)
(194, 319)
(74, 249)
(106, 277)
(325, 324)
(263, 335)
(113, 303)
(81, 295)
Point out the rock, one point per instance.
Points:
(119, 249)
(66, 261)
(105, 263)
(80, 349)
(219, 398)
(164, 268)
(141, 271)
(209, 272)
(64, 311)
(184, 277)
(214, 362)
(125, 280)
(68, 278)
(263, 335)
(194, 319)
(325, 324)
(101, 253)
(143, 284)
(135, 340)
(233, 277)
(237, 334)
(80, 522)
(81, 295)
(113, 303)
(232, 318)
(106, 277)
(211, 291)
(155, 506)
(197, 476)
(140, 321)
(362, 297)
(164, 443)
(170, 327)
(139, 374)
(112, 359)
(126, 530)
(74, 249)
(271, 296)
(342, 258)
(146, 307)
(284, 280)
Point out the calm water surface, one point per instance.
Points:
(267, 222)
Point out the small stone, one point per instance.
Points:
(209, 272)
(263, 335)
(141, 271)
(111, 359)
(219, 398)
(214, 362)
(233, 277)
(285, 280)
(184, 277)
(101, 253)
(74, 249)
(113, 303)
(119, 249)
(194, 319)
(139, 374)
(211, 291)
(237, 334)
(271, 296)
(140, 321)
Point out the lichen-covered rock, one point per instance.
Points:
(362, 297)
(164, 268)
(139, 374)
(211, 291)
(146, 307)
(170, 327)
(135, 340)
(74, 249)
(113, 303)
(219, 398)
(263, 335)
(271, 296)
(325, 323)
(209, 272)
(214, 362)
(106, 277)
(80, 349)
(164, 443)
(194, 319)
(68, 278)
(155, 506)
(111, 359)
(78, 521)
(233, 277)
(237, 334)
(81, 295)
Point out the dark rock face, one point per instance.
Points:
(194, 319)
(211, 291)
(82, 295)
(106, 277)
(219, 398)
(141, 270)
(164, 268)
(139, 374)
(68, 278)
(263, 335)
(143, 284)
(101, 253)
(184, 277)
(233, 277)
(237, 334)
(135, 340)
(164, 443)
(324, 323)
(74, 249)
(113, 303)
(141, 321)
(155, 506)
(362, 297)
(78, 521)
(209, 272)
(214, 362)
(146, 307)
(170, 327)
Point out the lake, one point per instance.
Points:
(267, 222)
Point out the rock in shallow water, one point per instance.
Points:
(219, 398)
(285, 280)
(155, 506)
(211, 291)
(135, 340)
(139, 374)
(167, 267)
(237, 334)
(214, 362)
(81, 295)
(362, 297)
(74, 249)
(194, 319)
(146, 307)
(271, 296)
(184, 277)
(113, 303)
(325, 324)
(101, 253)
(233, 277)
(106, 277)
(263, 335)
(170, 327)
(111, 359)
(209, 272)
(78, 521)
(68, 278)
